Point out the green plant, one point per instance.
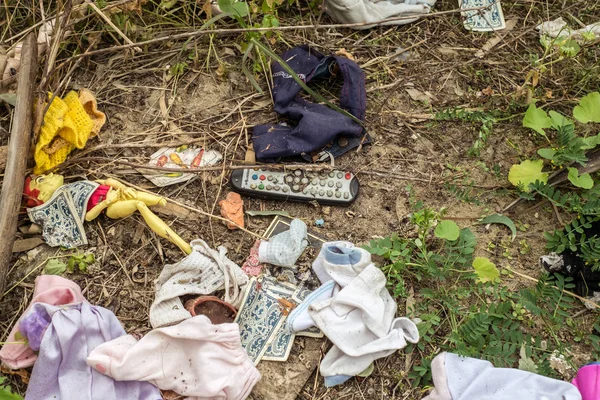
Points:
(484, 120)
(6, 392)
(567, 149)
(462, 304)
(81, 262)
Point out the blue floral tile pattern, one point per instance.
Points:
(488, 19)
(62, 216)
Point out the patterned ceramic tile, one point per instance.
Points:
(80, 192)
(260, 317)
(488, 19)
(61, 225)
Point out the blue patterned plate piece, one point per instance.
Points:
(488, 19)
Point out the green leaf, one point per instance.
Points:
(165, 5)
(368, 371)
(486, 270)
(501, 219)
(569, 48)
(537, 119)
(236, 8)
(71, 265)
(588, 109)
(267, 213)
(559, 121)
(270, 21)
(6, 392)
(584, 181)
(590, 142)
(546, 153)
(527, 173)
(10, 98)
(447, 229)
(526, 363)
(55, 267)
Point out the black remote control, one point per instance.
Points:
(332, 187)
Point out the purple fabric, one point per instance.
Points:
(33, 327)
(61, 371)
(317, 124)
(587, 381)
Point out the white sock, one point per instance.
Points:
(340, 261)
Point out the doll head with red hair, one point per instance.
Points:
(39, 189)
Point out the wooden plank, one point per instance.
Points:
(18, 152)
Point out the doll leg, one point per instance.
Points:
(157, 225)
(121, 209)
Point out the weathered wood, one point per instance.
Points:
(18, 151)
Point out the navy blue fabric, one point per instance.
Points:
(316, 125)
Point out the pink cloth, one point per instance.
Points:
(98, 196)
(252, 266)
(587, 381)
(194, 358)
(49, 289)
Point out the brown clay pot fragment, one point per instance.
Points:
(218, 311)
(232, 208)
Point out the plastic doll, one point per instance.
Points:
(61, 209)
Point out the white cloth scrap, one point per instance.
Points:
(285, 248)
(367, 11)
(195, 359)
(202, 272)
(465, 378)
(559, 28)
(354, 310)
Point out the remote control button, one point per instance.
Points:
(330, 183)
(313, 191)
(305, 180)
(297, 172)
(338, 194)
(262, 177)
(340, 175)
(296, 180)
(315, 181)
(305, 191)
(295, 188)
(261, 186)
(288, 179)
(321, 193)
(331, 174)
(269, 187)
(285, 189)
(253, 186)
(276, 187)
(322, 182)
(346, 196)
(329, 193)
(255, 177)
(270, 177)
(338, 184)
(254, 169)
(348, 175)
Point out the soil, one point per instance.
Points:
(412, 158)
(216, 312)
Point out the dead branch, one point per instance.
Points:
(18, 152)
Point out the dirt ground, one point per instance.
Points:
(412, 156)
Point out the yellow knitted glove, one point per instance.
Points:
(64, 119)
(77, 124)
(88, 101)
